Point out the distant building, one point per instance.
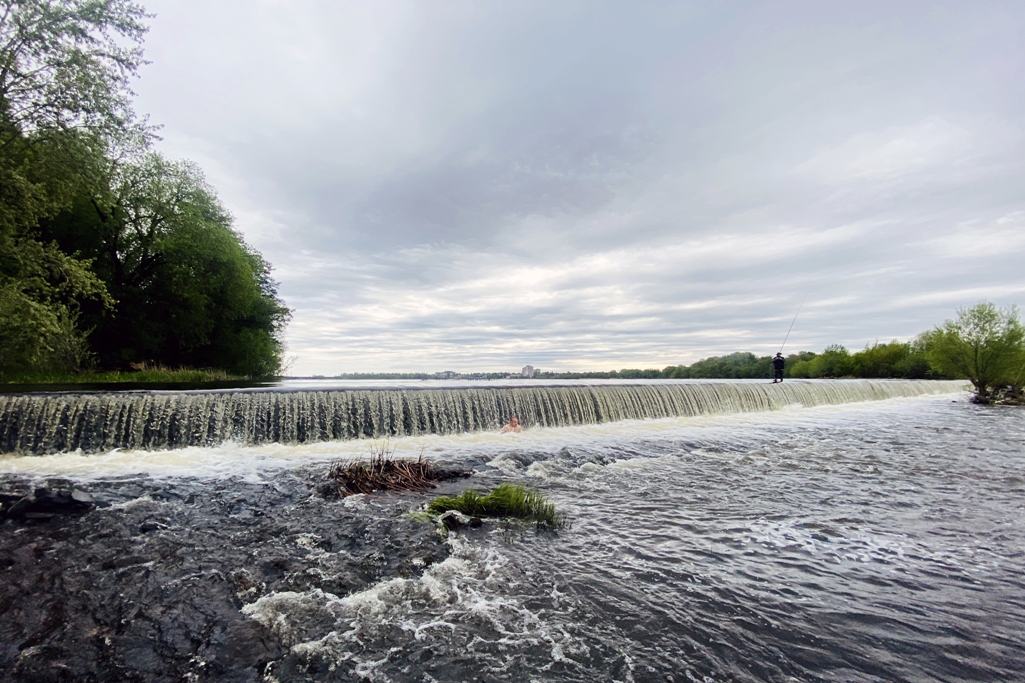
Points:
(528, 371)
(447, 374)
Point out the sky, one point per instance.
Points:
(598, 185)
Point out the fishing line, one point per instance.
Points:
(792, 325)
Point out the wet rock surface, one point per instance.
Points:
(44, 503)
(146, 581)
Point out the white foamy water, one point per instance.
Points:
(256, 462)
(95, 423)
(465, 593)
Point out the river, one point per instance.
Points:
(875, 541)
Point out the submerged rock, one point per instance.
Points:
(45, 503)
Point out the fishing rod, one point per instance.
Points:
(791, 326)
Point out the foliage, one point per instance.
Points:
(835, 361)
(42, 288)
(507, 500)
(984, 344)
(154, 375)
(634, 373)
(110, 256)
(740, 365)
(895, 359)
(68, 63)
(189, 290)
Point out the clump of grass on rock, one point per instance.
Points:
(507, 500)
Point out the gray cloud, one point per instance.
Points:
(593, 185)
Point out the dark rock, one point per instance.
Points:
(99, 601)
(453, 519)
(125, 561)
(476, 522)
(48, 501)
(450, 473)
(21, 507)
(248, 644)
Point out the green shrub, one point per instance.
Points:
(507, 500)
(984, 344)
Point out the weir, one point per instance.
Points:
(54, 423)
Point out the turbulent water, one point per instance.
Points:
(95, 423)
(880, 541)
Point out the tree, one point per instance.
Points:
(835, 361)
(68, 63)
(189, 291)
(101, 241)
(896, 359)
(64, 72)
(42, 288)
(984, 344)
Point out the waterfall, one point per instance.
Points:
(54, 423)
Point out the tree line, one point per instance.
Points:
(983, 344)
(111, 256)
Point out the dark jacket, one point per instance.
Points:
(779, 362)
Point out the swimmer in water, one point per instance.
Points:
(513, 426)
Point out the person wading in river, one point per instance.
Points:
(513, 426)
(777, 364)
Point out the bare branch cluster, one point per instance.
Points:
(382, 472)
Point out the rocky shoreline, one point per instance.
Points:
(144, 580)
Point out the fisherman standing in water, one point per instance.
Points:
(777, 364)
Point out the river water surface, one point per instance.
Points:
(882, 541)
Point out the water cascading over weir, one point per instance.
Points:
(36, 424)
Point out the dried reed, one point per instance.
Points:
(382, 472)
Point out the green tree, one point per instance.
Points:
(189, 291)
(983, 344)
(895, 359)
(835, 361)
(42, 287)
(64, 72)
(67, 64)
(99, 241)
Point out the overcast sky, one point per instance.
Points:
(585, 185)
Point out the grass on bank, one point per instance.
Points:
(507, 500)
(154, 374)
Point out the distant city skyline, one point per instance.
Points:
(595, 186)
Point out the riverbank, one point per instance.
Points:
(145, 379)
(143, 375)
